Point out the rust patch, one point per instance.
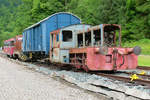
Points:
(78, 50)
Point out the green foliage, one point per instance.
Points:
(138, 18)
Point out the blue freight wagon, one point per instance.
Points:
(36, 38)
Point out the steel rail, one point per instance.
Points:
(131, 73)
(143, 67)
(126, 79)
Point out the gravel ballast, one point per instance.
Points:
(19, 83)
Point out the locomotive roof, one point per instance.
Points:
(97, 27)
(48, 18)
(75, 25)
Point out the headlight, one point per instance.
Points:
(137, 50)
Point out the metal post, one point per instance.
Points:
(83, 39)
(102, 35)
(92, 38)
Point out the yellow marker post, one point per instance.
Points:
(142, 72)
(134, 77)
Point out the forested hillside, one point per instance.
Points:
(133, 15)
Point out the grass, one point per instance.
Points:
(144, 60)
(143, 43)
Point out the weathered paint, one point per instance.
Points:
(59, 50)
(77, 50)
(96, 61)
(18, 46)
(18, 43)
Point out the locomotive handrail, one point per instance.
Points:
(123, 61)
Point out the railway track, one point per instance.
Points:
(141, 75)
(127, 79)
(143, 78)
(143, 67)
(145, 81)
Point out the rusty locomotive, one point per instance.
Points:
(92, 48)
(96, 48)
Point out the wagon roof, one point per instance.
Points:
(48, 18)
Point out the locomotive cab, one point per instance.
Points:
(99, 48)
(112, 36)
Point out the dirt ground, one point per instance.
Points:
(20, 83)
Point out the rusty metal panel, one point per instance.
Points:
(59, 46)
(78, 50)
(97, 61)
(56, 55)
(18, 43)
(64, 56)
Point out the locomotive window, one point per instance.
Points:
(67, 36)
(110, 36)
(97, 37)
(80, 40)
(88, 38)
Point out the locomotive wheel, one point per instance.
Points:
(85, 68)
(76, 63)
(23, 57)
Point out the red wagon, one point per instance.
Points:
(13, 46)
(9, 47)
